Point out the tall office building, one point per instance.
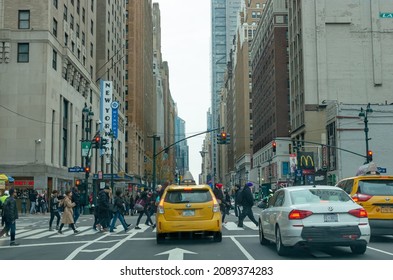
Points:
(47, 76)
(140, 90)
(50, 66)
(224, 21)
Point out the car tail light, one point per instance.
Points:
(360, 213)
(359, 197)
(216, 206)
(160, 207)
(299, 214)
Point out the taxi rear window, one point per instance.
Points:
(376, 187)
(186, 196)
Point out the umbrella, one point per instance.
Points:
(3, 177)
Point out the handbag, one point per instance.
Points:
(138, 207)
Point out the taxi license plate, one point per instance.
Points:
(331, 218)
(387, 209)
(188, 212)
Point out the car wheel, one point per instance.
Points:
(160, 238)
(217, 236)
(262, 238)
(359, 249)
(281, 249)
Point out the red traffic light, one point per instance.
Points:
(97, 139)
(274, 146)
(77, 182)
(223, 135)
(87, 169)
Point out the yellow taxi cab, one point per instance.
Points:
(374, 192)
(188, 209)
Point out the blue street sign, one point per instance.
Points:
(299, 173)
(76, 169)
(115, 117)
(381, 169)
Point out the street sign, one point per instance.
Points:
(86, 148)
(76, 169)
(381, 169)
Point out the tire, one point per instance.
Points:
(281, 249)
(359, 249)
(262, 238)
(217, 237)
(160, 238)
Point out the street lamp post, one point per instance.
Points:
(87, 114)
(364, 113)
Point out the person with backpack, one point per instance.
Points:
(143, 201)
(9, 217)
(120, 209)
(54, 210)
(247, 201)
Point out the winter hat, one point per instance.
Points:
(106, 187)
(7, 193)
(218, 185)
(11, 192)
(249, 184)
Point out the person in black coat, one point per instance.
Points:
(247, 203)
(104, 213)
(9, 217)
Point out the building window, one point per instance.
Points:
(24, 19)
(91, 49)
(23, 52)
(92, 5)
(55, 3)
(54, 60)
(54, 27)
(83, 15)
(91, 27)
(65, 39)
(65, 15)
(77, 30)
(83, 38)
(78, 5)
(72, 22)
(72, 46)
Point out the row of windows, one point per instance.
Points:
(56, 5)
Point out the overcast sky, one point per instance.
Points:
(185, 40)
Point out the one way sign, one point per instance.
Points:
(381, 169)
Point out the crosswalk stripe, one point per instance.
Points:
(41, 235)
(29, 232)
(250, 225)
(69, 232)
(232, 226)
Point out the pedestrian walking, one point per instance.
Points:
(76, 200)
(104, 213)
(143, 201)
(247, 201)
(9, 217)
(68, 215)
(119, 210)
(33, 198)
(220, 199)
(23, 201)
(237, 197)
(54, 210)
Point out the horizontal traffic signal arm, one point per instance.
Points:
(316, 143)
(167, 148)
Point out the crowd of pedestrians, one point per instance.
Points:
(66, 209)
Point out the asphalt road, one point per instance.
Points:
(37, 243)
